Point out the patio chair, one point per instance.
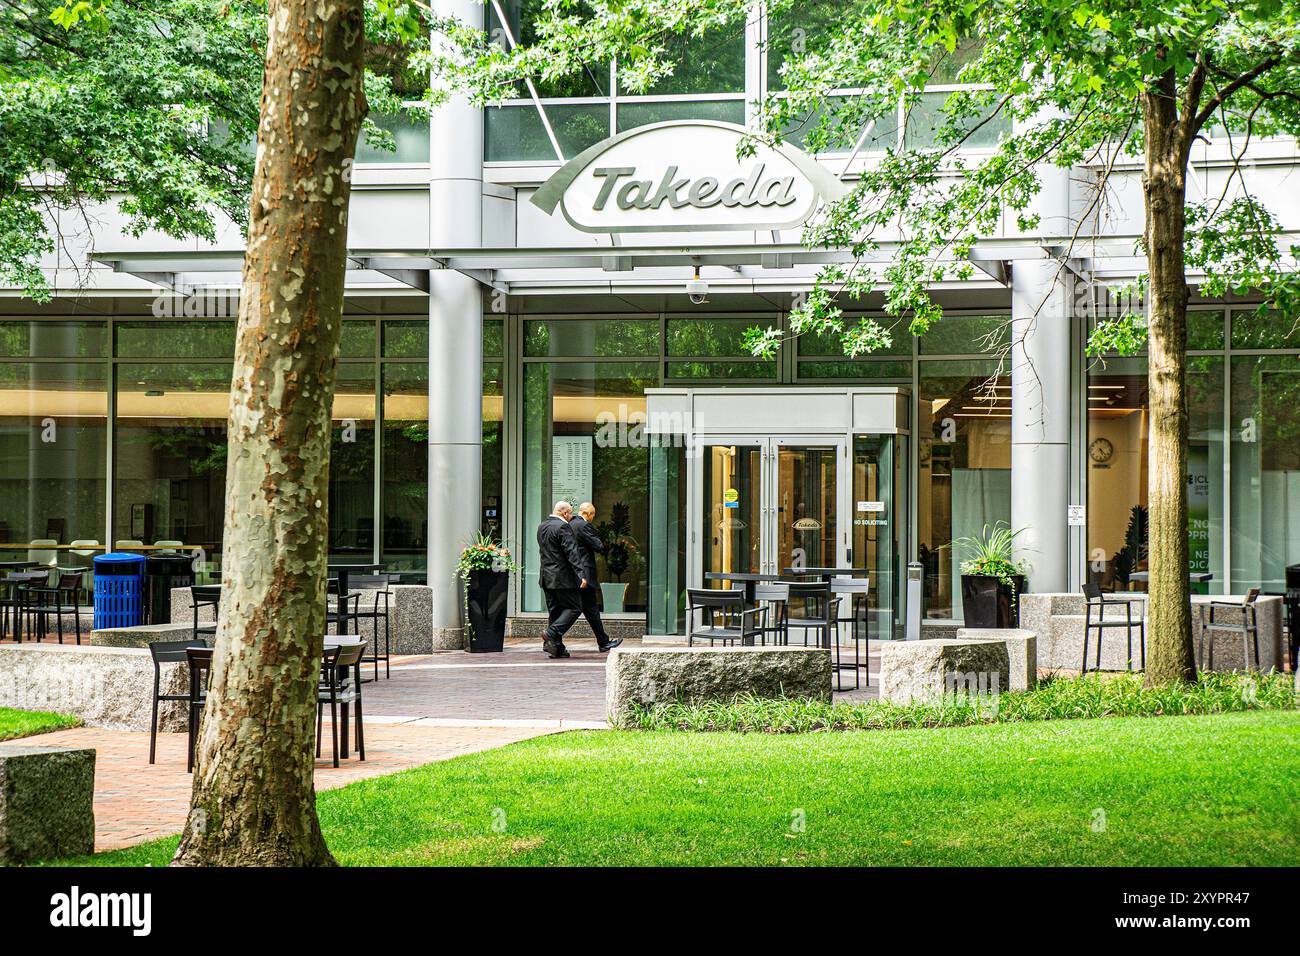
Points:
(726, 618)
(1097, 602)
(376, 589)
(46, 601)
(340, 684)
(812, 607)
(43, 551)
(13, 606)
(1247, 627)
(199, 658)
(201, 596)
(166, 652)
(343, 613)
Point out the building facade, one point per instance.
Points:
(524, 324)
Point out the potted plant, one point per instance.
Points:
(484, 569)
(616, 536)
(991, 578)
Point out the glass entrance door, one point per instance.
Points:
(806, 504)
(732, 497)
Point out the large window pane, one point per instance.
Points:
(406, 465)
(634, 114)
(521, 15)
(964, 474)
(581, 442)
(45, 339)
(493, 448)
(410, 137)
(965, 335)
(799, 30)
(52, 453)
(713, 63)
(1118, 463)
(1270, 329)
(406, 338)
(201, 340)
(591, 337)
(927, 115)
(352, 464)
(169, 461)
(516, 134)
(1265, 425)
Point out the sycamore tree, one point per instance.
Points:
(151, 106)
(1086, 85)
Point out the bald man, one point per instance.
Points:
(560, 573)
(590, 545)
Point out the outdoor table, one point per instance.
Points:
(827, 573)
(748, 580)
(18, 565)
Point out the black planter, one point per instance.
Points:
(987, 602)
(485, 610)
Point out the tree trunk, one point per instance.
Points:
(254, 800)
(1169, 633)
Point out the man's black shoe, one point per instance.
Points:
(610, 645)
(555, 650)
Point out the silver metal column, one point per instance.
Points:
(455, 346)
(1041, 292)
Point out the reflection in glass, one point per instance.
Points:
(666, 613)
(515, 133)
(352, 464)
(879, 515)
(52, 452)
(1265, 470)
(632, 114)
(406, 465)
(169, 460)
(732, 476)
(1117, 469)
(964, 469)
(806, 506)
(493, 449)
(584, 440)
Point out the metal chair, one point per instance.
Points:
(13, 607)
(43, 551)
(377, 587)
(1097, 601)
(55, 601)
(775, 597)
(853, 593)
(1248, 628)
(344, 613)
(813, 608)
(166, 652)
(199, 658)
(340, 683)
(201, 596)
(727, 619)
(127, 544)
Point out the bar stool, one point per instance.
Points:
(853, 594)
(1096, 601)
(1248, 628)
(813, 608)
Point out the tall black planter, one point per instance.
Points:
(485, 610)
(987, 602)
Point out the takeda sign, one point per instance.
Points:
(686, 176)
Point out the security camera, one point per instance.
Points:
(697, 289)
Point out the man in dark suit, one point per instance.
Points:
(590, 545)
(560, 574)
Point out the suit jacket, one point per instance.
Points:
(561, 559)
(589, 544)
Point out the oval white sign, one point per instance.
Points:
(685, 176)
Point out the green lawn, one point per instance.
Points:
(1174, 791)
(24, 723)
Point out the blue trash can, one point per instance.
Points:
(119, 590)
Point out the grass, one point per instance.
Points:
(24, 723)
(1187, 791)
(1111, 695)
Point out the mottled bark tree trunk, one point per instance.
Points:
(254, 800)
(1169, 630)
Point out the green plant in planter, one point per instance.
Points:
(616, 535)
(992, 554)
(485, 554)
(1130, 557)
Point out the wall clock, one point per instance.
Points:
(1101, 450)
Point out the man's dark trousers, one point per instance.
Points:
(591, 611)
(563, 606)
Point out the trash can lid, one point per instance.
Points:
(118, 557)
